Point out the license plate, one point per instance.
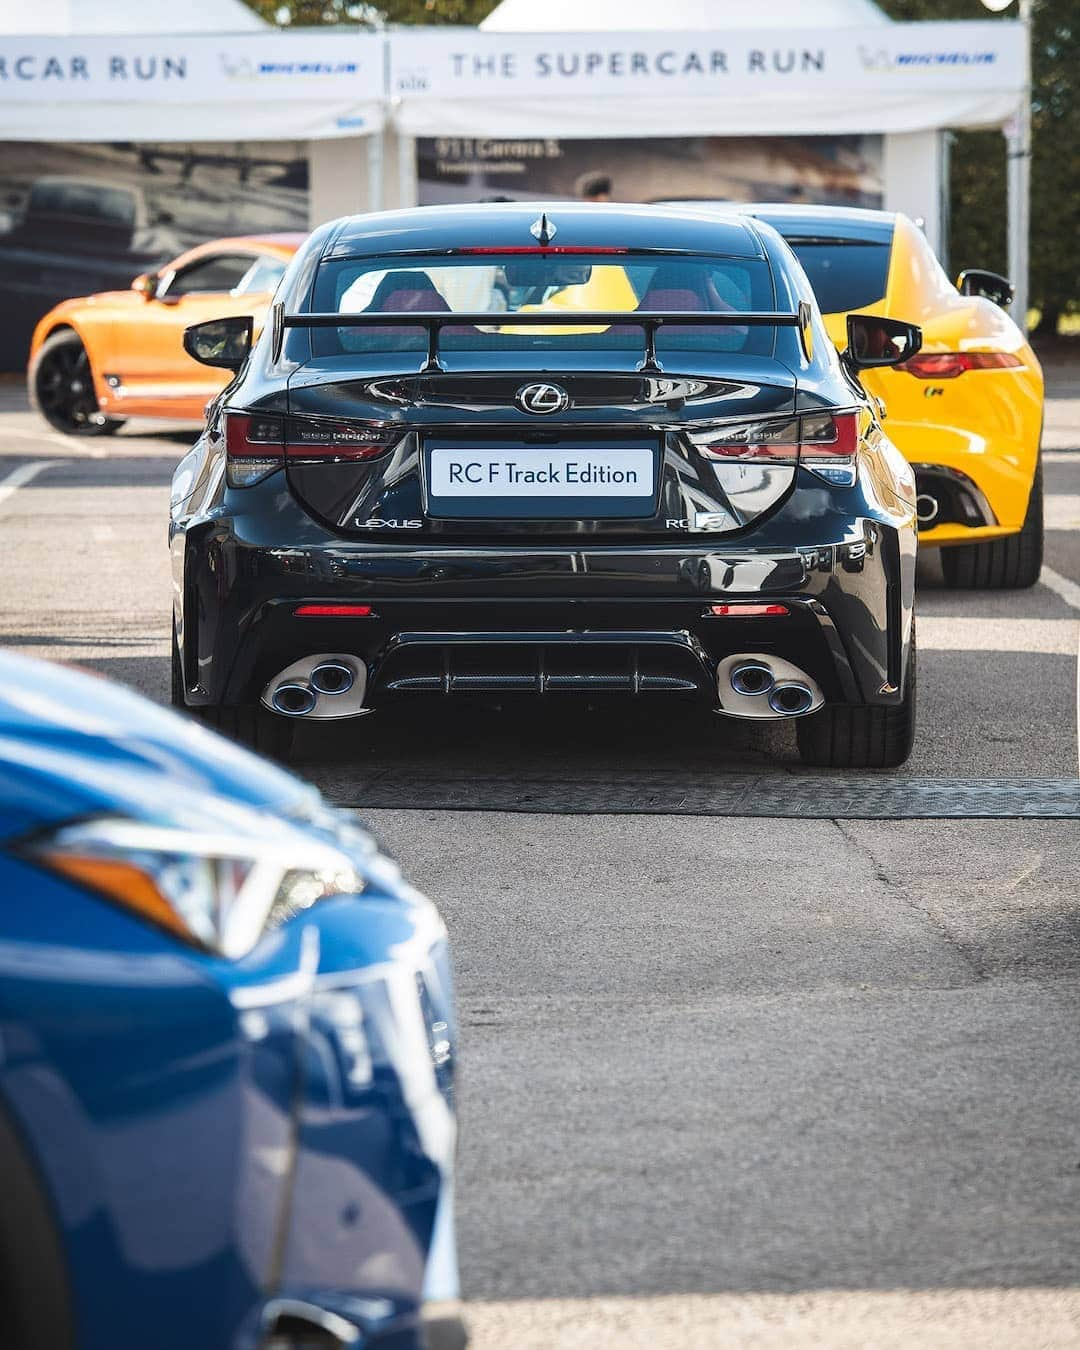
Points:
(563, 481)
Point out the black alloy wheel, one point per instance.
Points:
(62, 388)
(1008, 564)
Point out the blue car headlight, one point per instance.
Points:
(217, 890)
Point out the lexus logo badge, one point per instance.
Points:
(542, 399)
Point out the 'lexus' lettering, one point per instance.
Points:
(375, 523)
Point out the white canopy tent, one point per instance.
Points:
(600, 16)
(209, 70)
(110, 17)
(722, 68)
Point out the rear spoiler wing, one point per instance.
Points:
(648, 320)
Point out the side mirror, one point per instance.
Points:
(990, 285)
(220, 342)
(873, 341)
(146, 283)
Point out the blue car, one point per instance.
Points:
(227, 1047)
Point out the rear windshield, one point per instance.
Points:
(561, 285)
(845, 273)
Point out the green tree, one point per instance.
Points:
(304, 13)
(977, 237)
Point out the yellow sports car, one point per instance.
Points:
(967, 410)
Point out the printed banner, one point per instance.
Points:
(888, 58)
(842, 170)
(244, 68)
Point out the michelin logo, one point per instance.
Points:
(883, 60)
(245, 69)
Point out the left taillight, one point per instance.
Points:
(825, 443)
(258, 443)
(254, 446)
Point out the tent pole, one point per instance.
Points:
(375, 170)
(407, 186)
(1018, 142)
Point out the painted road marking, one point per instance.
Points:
(19, 477)
(69, 443)
(1068, 590)
(993, 1318)
(1062, 511)
(1051, 637)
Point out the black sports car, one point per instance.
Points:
(491, 449)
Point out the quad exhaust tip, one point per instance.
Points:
(926, 508)
(293, 699)
(752, 678)
(763, 685)
(326, 686)
(332, 677)
(789, 698)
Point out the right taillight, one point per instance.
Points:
(258, 443)
(948, 365)
(825, 443)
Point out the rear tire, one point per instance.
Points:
(62, 388)
(1012, 563)
(252, 725)
(870, 737)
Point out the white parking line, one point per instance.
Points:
(1062, 511)
(1061, 456)
(70, 443)
(1048, 637)
(19, 477)
(1068, 590)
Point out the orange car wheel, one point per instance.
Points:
(62, 388)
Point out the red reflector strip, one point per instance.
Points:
(747, 611)
(334, 612)
(948, 365)
(516, 249)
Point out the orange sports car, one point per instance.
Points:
(100, 359)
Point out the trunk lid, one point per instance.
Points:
(466, 458)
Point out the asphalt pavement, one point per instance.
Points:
(727, 1081)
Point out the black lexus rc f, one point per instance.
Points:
(580, 450)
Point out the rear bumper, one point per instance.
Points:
(1001, 470)
(641, 610)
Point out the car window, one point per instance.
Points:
(542, 283)
(846, 274)
(261, 278)
(218, 272)
(88, 200)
